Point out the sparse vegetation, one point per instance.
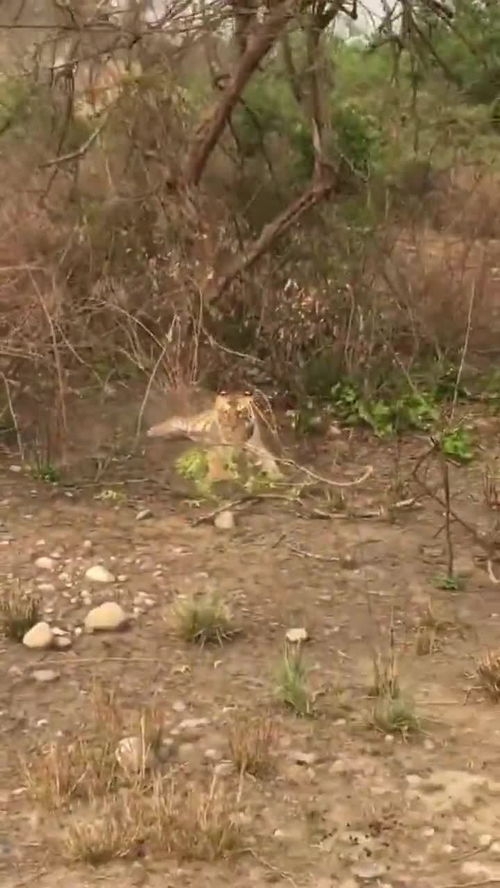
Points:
(488, 675)
(293, 690)
(204, 620)
(252, 742)
(19, 611)
(197, 825)
(396, 716)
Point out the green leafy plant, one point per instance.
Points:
(458, 444)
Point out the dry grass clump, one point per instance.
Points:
(18, 613)
(194, 822)
(204, 620)
(252, 742)
(488, 675)
(62, 771)
(385, 674)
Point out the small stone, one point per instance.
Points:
(428, 831)
(485, 840)
(40, 636)
(132, 756)
(99, 574)
(87, 545)
(63, 642)
(413, 779)
(45, 563)
(45, 675)
(224, 520)
(192, 726)
(296, 636)
(106, 617)
(15, 468)
(47, 588)
(495, 848)
(369, 871)
(179, 706)
(224, 769)
(476, 869)
(143, 514)
(212, 755)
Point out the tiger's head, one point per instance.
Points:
(235, 416)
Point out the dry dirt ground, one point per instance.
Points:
(343, 804)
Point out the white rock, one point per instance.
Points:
(485, 840)
(295, 636)
(45, 563)
(107, 616)
(143, 514)
(47, 588)
(45, 675)
(369, 871)
(87, 545)
(99, 574)
(40, 636)
(63, 642)
(132, 755)
(224, 520)
(15, 468)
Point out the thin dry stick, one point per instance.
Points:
(146, 395)
(75, 155)
(449, 542)
(20, 445)
(464, 349)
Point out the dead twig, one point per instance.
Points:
(303, 553)
(79, 152)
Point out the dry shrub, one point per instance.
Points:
(66, 770)
(195, 822)
(252, 743)
(18, 613)
(488, 674)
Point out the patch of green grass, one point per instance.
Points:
(292, 689)
(449, 583)
(458, 444)
(45, 471)
(395, 716)
(204, 620)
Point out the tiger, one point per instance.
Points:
(232, 422)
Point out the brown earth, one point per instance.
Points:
(345, 805)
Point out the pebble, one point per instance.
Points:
(143, 514)
(87, 545)
(179, 706)
(99, 574)
(45, 675)
(106, 617)
(45, 563)
(369, 871)
(485, 840)
(46, 588)
(295, 636)
(224, 520)
(40, 636)
(132, 756)
(63, 642)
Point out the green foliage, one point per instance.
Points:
(411, 410)
(458, 444)
(193, 465)
(14, 98)
(449, 583)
